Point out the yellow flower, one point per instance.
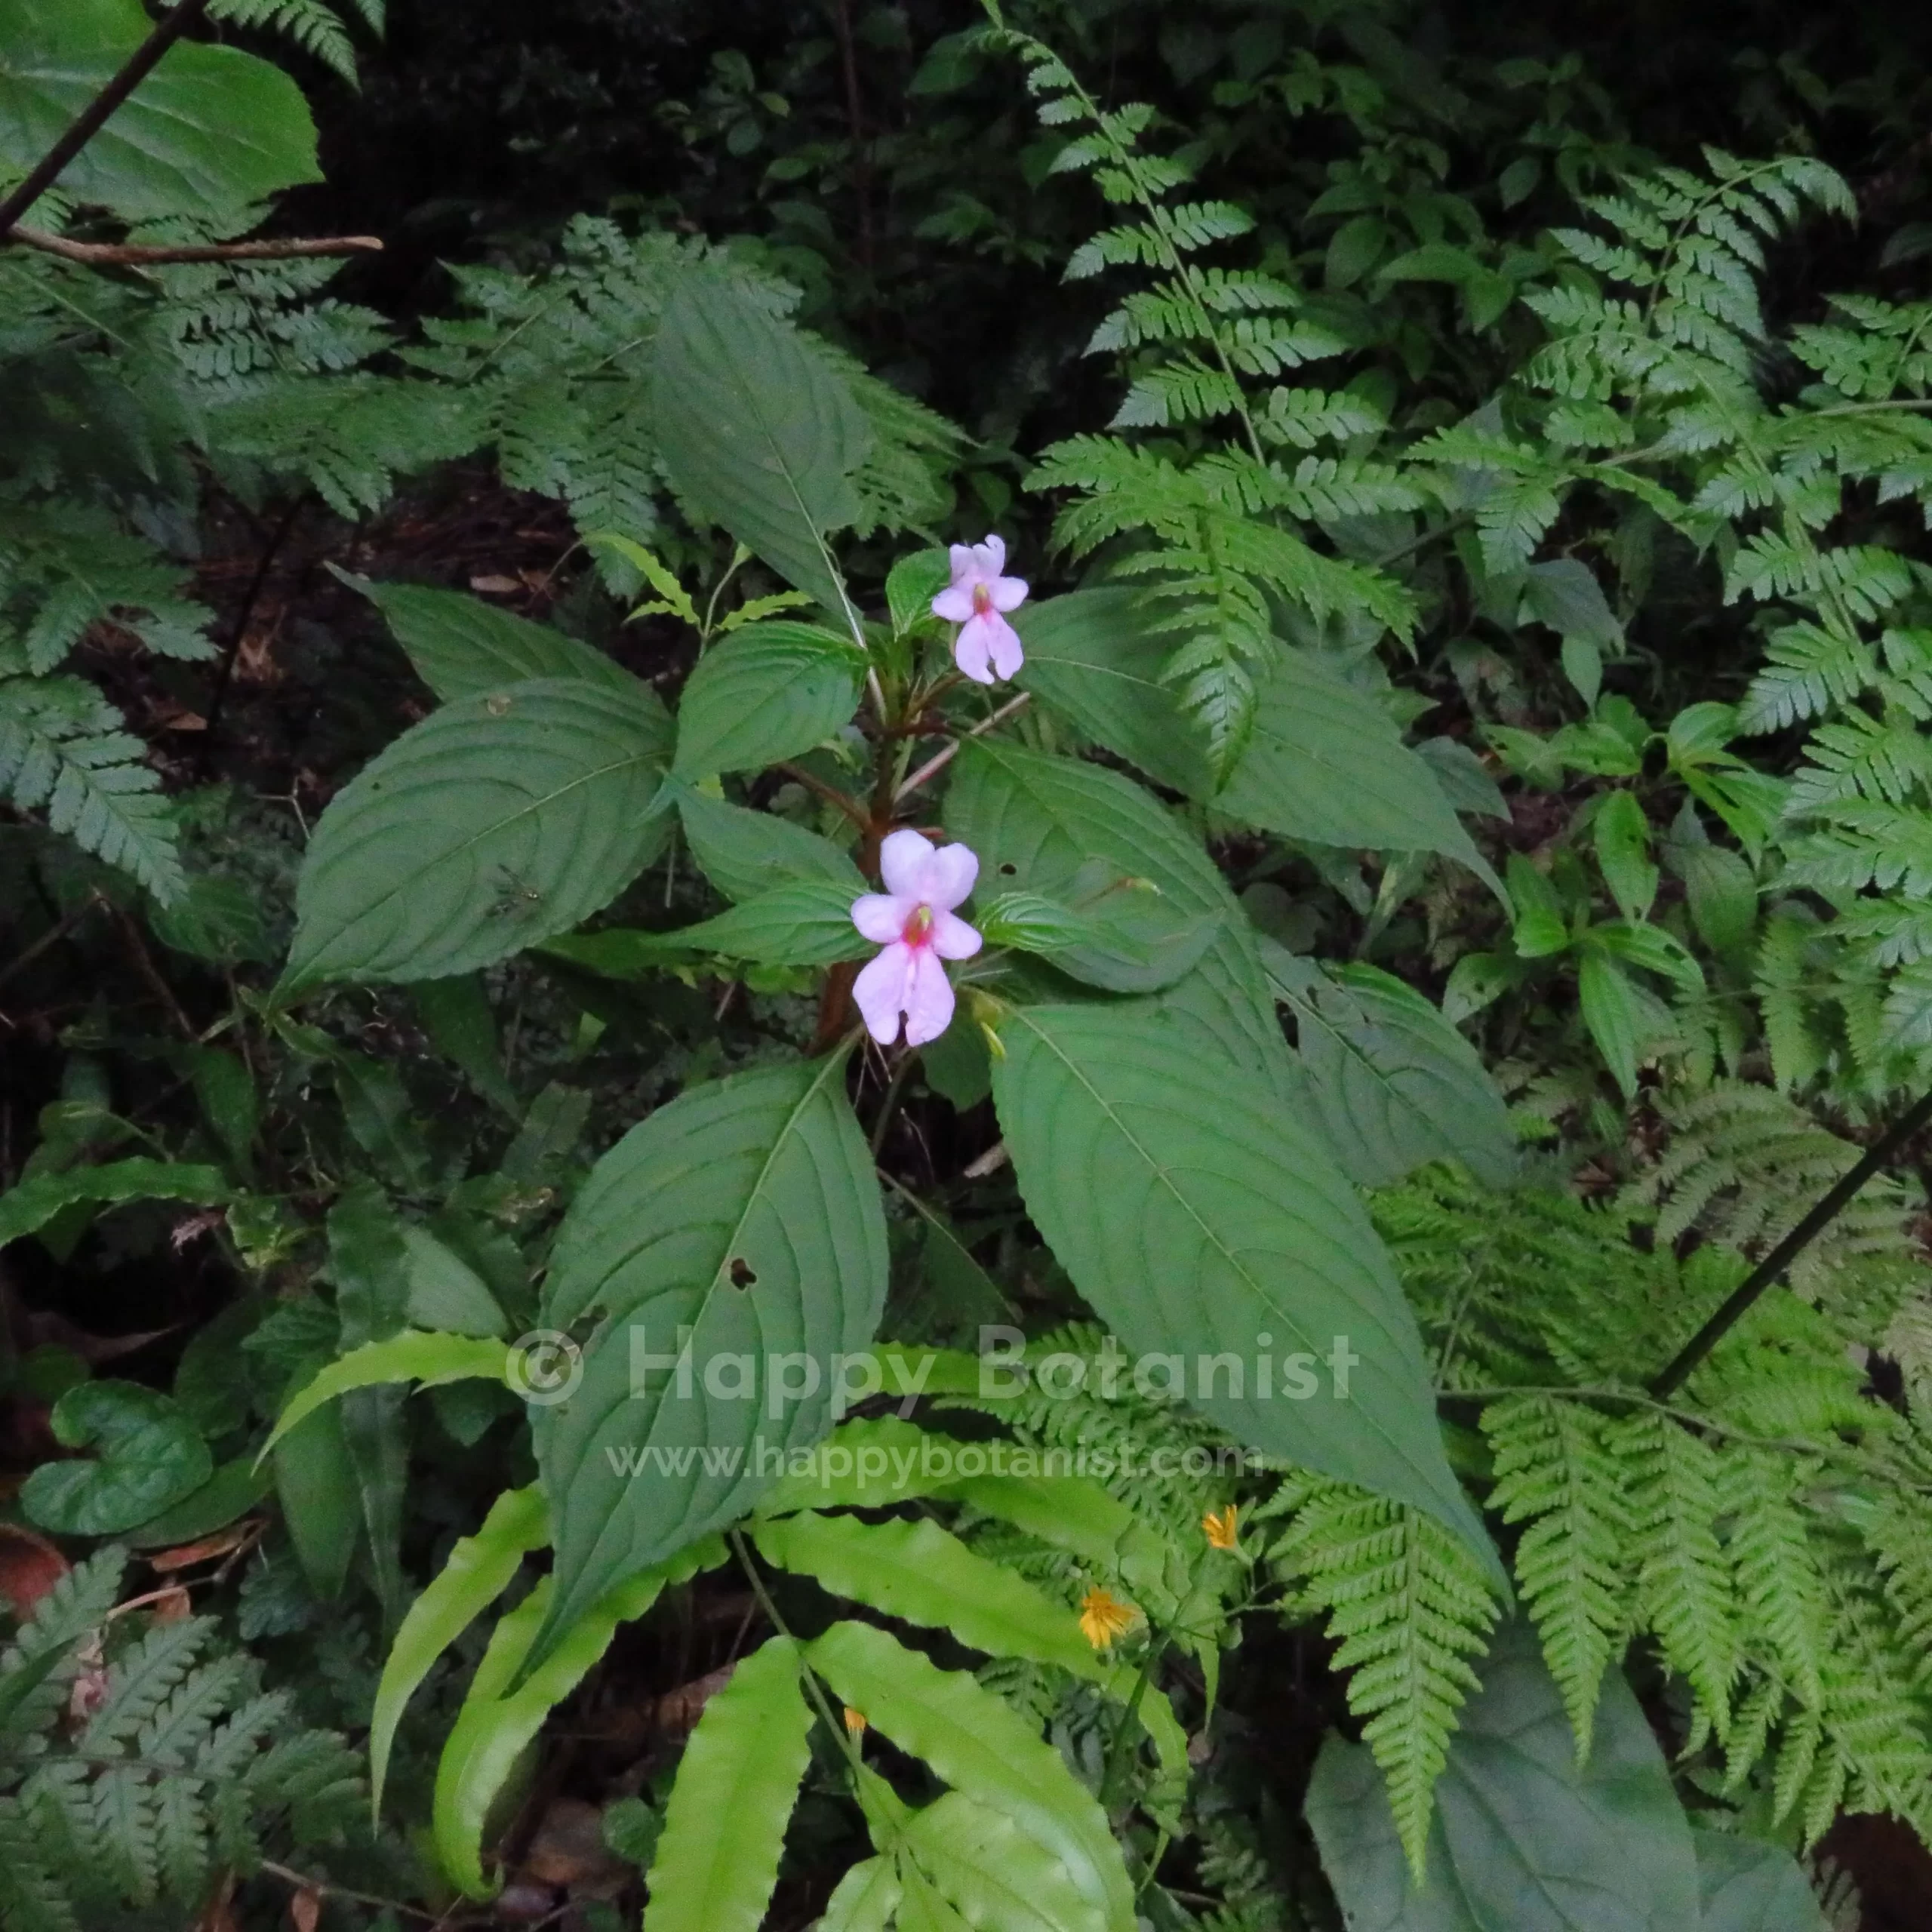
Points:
(1220, 1525)
(1103, 1618)
(855, 1721)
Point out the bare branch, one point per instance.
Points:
(123, 254)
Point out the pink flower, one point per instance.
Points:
(913, 920)
(974, 600)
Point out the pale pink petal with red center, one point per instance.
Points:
(1008, 593)
(972, 651)
(903, 863)
(881, 917)
(928, 999)
(950, 875)
(953, 938)
(954, 603)
(883, 989)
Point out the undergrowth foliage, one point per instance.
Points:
(988, 1170)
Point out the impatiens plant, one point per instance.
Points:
(914, 922)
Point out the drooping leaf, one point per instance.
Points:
(429, 1360)
(1393, 1085)
(806, 922)
(461, 646)
(995, 1875)
(210, 130)
(980, 1746)
(923, 1574)
(148, 1456)
(747, 853)
(1622, 1018)
(315, 1483)
(1748, 1886)
(1098, 656)
(1523, 1841)
(724, 1826)
(757, 431)
(1622, 836)
(767, 692)
(1195, 1213)
(479, 1570)
(1043, 825)
(37, 1200)
(747, 1212)
(504, 818)
(1327, 764)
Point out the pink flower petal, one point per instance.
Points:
(972, 648)
(903, 862)
(991, 555)
(949, 877)
(882, 916)
(964, 564)
(928, 1000)
(883, 990)
(952, 937)
(954, 603)
(1008, 592)
(1004, 642)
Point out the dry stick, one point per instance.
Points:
(938, 763)
(123, 254)
(99, 111)
(1767, 1271)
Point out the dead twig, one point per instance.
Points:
(130, 255)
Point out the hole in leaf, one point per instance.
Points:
(743, 1275)
(1008, 869)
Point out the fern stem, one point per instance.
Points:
(1740, 1301)
(99, 111)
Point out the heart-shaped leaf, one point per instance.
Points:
(148, 1456)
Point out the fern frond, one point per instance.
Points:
(313, 26)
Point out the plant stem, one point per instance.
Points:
(940, 761)
(1739, 1301)
(99, 111)
(122, 255)
(231, 645)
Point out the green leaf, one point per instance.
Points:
(315, 1482)
(998, 1877)
(808, 922)
(234, 1489)
(758, 432)
(1747, 1886)
(428, 1360)
(1621, 1020)
(724, 1826)
(767, 692)
(1044, 825)
(500, 1714)
(480, 1568)
(918, 1572)
(747, 1211)
(1030, 923)
(864, 1899)
(672, 598)
(1522, 1842)
(912, 583)
(1394, 1085)
(1722, 891)
(150, 1456)
(1622, 834)
(28, 1207)
(210, 130)
(1098, 656)
(746, 853)
(1326, 763)
(462, 647)
(446, 1295)
(500, 820)
(982, 1747)
(1565, 594)
(456, 1015)
(1192, 1210)
(1540, 927)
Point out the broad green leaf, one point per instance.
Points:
(912, 583)
(1522, 1841)
(427, 1360)
(1325, 763)
(921, 1574)
(1097, 656)
(1393, 1085)
(767, 692)
(864, 1899)
(446, 1295)
(1563, 594)
(234, 1489)
(1618, 1014)
(1748, 1886)
(744, 853)
(148, 1456)
(462, 647)
(28, 1207)
(1039, 824)
(747, 1212)
(808, 922)
(507, 1703)
(998, 1877)
(479, 1570)
(1540, 927)
(757, 431)
(982, 1747)
(504, 818)
(1723, 894)
(210, 130)
(1622, 834)
(724, 1826)
(1195, 1212)
(1030, 923)
(315, 1483)
(869, 1463)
